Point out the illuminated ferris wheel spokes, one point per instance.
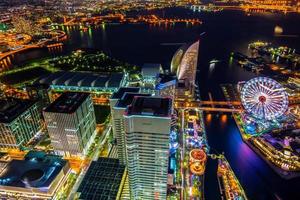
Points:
(264, 98)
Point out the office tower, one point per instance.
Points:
(117, 119)
(147, 127)
(71, 123)
(114, 99)
(19, 122)
(117, 114)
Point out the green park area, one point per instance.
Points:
(92, 62)
(97, 62)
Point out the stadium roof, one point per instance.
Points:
(83, 79)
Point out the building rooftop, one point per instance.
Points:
(119, 94)
(128, 98)
(151, 69)
(37, 170)
(102, 180)
(164, 80)
(68, 102)
(11, 108)
(83, 79)
(150, 106)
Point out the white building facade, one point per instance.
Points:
(72, 132)
(147, 145)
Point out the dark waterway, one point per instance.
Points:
(257, 178)
(224, 32)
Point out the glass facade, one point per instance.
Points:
(147, 145)
(19, 131)
(71, 133)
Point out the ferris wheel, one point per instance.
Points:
(264, 98)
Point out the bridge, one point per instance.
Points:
(70, 22)
(209, 109)
(246, 8)
(149, 19)
(249, 8)
(222, 103)
(3, 55)
(7, 57)
(214, 7)
(210, 106)
(222, 106)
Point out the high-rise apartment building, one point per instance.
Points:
(19, 122)
(147, 127)
(71, 123)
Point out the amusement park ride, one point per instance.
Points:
(197, 161)
(264, 98)
(265, 103)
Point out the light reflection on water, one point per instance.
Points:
(224, 119)
(256, 177)
(224, 138)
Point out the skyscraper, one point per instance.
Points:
(117, 114)
(71, 123)
(147, 127)
(112, 102)
(19, 122)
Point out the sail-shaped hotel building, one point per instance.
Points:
(184, 65)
